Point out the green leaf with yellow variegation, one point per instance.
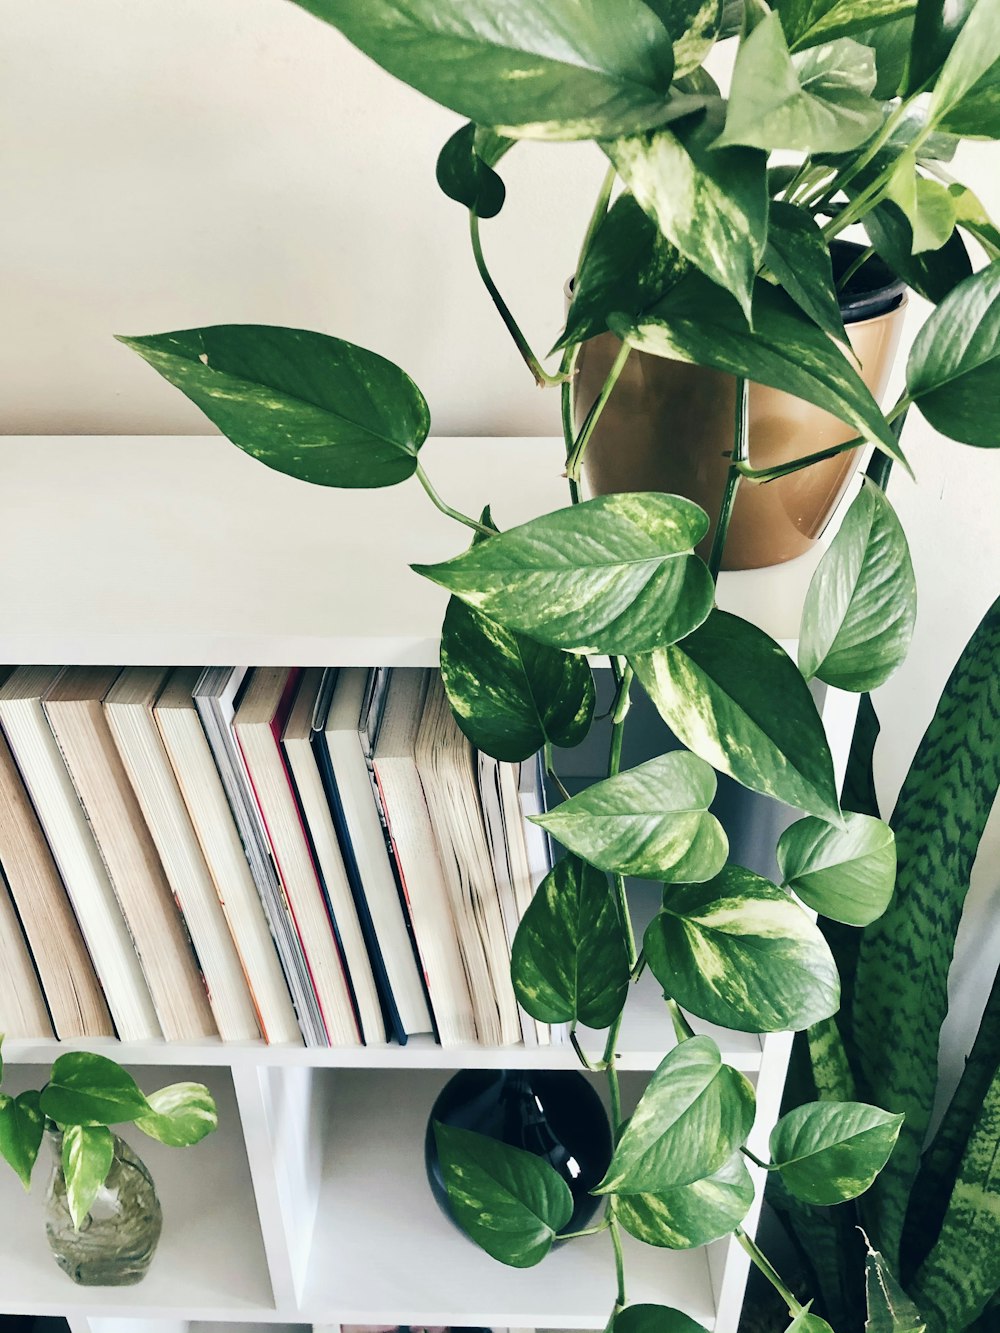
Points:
(688, 1216)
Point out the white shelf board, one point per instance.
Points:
(383, 1253)
(205, 1267)
(162, 550)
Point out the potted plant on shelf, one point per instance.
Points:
(717, 256)
(102, 1215)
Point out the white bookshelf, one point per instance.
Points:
(309, 1207)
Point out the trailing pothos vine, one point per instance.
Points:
(716, 252)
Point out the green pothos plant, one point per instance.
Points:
(715, 251)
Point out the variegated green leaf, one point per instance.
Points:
(974, 54)
(569, 961)
(977, 113)
(925, 203)
(828, 1152)
(808, 22)
(799, 258)
(740, 952)
(890, 1310)
(846, 873)
(694, 25)
(651, 821)
(934, 273)
(87, 1154)
(181, 1115)
(695, 1113)
(21, 1128)
(86, 1089)
(861, 607)
(972, 215)
(936, 25)
(734, 697)
(654, 1319)
(510, 1202)
(690, 1215)
(613, 575)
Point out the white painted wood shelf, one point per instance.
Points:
(310, 1207)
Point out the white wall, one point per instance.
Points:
(170, 163)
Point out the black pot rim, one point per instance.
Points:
(874, 290)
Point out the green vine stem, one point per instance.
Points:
(575, 459)
(763, 474)
(550, 770)
(456, 514)
(855, 265)
(616, 1240)
(765, 1166)
(763, 1263)
(581, 1054)
(587, 1231)
(682, 1028)
(741, 430)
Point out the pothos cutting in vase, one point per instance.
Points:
(102, 1216)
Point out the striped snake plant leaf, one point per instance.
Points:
(690, 1215)
(734, 697)
(21, 1127)
(616, 574)
(654, 1319)
(695, 1114)
(180, 1115)
(568, 69)
(569, 961)
(651, 821)
(831, 1070)
(901, 990)
(846, 873)
(829, 1240)
(740, 952)
(317, 408)
(510, 1202)
(890, 1310)
(861, 606)
(87, 1154)
(828, 1152)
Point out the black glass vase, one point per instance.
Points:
(555, 1114)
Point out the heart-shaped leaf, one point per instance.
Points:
(654, 1319)
(936, 25)
(828, 1152)
(890, 1310)
(740, 952)
(710, 204)
(569, 69)
(698, 322)
(180, 1115)
(21, 1128)
(510, 1202)
(509, 693)
(977, 114)
(799, 258)
(932, 274)
(926, 204)
(87, 1154)
(891, 44)
(569, 961)
(953, 373)
(861, 607)
(86, 1089)
(695, 1113)
(465, 175)
(318, 408)
(605, 576)
(808, 22)
(975, 52)
(690, 1215)
(651, 821)
(846, 874)
(734, 697)
(970, 214)
(694, 25)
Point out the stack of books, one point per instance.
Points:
(279, 854)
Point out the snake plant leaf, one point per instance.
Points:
(806, 1322)
(694, 25)
(628, 266)
(510, 694)
(740, 952)
(828, 1152)
(87, 1154)
(21, 1128)
(953, 373)
(809, 22)
(690, 1215)
(698, 322)
(710, 204)
(926, 204)
(651, 821)
(510, 1202)
(180, 1115)
(654, 1319)
(977, 115)
(817, 102)
(799, 258)
(568, 69)
(901, 991)
(890, 1310)
(569, 961)
(734, 697)
(936, 25)
(861, 606)
(974, 54)
(970, 214)
(616, 574)
(316, 407)
(695, 1114)
(467, 177)
(933, 273)
(86, 1089)
(846, 873)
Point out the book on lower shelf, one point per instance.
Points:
(271, 854)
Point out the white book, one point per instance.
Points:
(205, 798)
(415, 849)
(68, 831)
(364, 827)
(129, 709)
(22, 1008)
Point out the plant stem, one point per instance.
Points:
(588, 1231)
(880, 464)
(763, 1263)
(854, 266)
(597, 216)
(576, 454)
(639, 966)
(740, 437)
(567, 367)
(755, 1159)
(542, 378)
(456, 514)
(551, 771)
(580, 1052)
(683, 1030)
(622, 703)
(874, 147)
(763, 474)
(616, 1241)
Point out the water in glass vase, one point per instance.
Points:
(118, 1237)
